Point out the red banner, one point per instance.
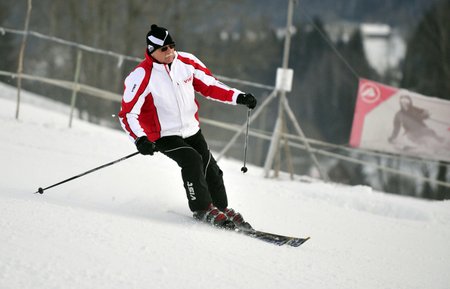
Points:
(401, 121)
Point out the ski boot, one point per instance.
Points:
(237, 219)
(214, 216)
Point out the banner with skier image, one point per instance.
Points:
(400, 121)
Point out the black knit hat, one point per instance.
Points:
(158, 37)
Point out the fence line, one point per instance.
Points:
(93, 91)
(4, 30)
(267, 136)
(236, 128)
(77, 87)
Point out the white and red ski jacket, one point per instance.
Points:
(159, 100)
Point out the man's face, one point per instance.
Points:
(165, 54)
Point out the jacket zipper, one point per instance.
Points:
(177, 98)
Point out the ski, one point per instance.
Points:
(271, 238)
(279, 240)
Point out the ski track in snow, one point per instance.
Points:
(127, 226)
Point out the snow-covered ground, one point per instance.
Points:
(128, 226)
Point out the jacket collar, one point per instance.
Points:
(154, 63)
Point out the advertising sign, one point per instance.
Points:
(400, 121)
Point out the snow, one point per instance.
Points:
(128, 225)
(383, 46)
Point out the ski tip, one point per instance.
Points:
(306, 239)
(297, 242)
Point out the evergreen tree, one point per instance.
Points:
(426, 68)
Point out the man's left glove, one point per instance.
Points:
(247, 99)
(144, 146)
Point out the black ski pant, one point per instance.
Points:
(202, 177)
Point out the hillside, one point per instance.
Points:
(128, 226)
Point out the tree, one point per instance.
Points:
(426, 67)
(325, 83)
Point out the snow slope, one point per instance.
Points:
(128, 226)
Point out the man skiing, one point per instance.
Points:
(160, 113)
(412, 119)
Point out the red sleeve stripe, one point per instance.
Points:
(206, 83)
(196, 65)
(212, 91)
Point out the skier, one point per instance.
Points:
(412, 119)
(160, 113)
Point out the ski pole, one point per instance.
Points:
(41, 190)
(244, 168)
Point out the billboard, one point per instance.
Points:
(399, 121)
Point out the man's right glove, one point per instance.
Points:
(247, 99)
(144, 146)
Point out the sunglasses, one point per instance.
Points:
(164, 48)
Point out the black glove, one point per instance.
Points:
(144, 146)
(247, 99)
